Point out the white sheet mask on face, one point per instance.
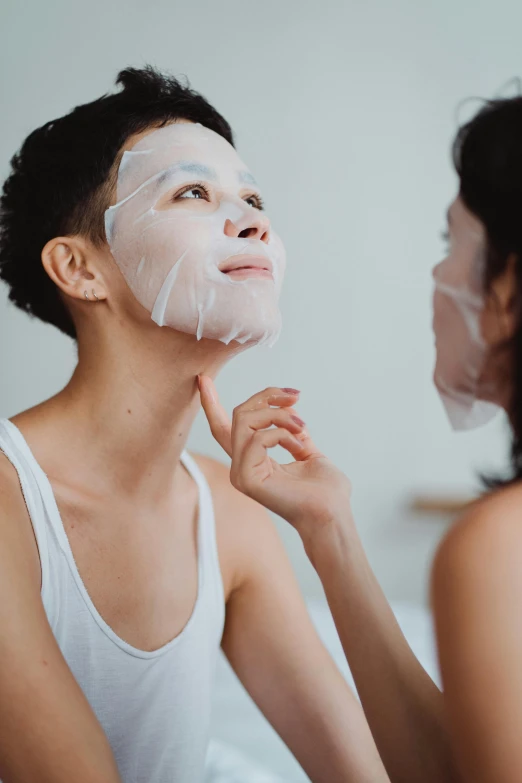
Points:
(462, 353)
(174, 250)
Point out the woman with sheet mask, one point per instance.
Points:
(472, 731)
(133, 225)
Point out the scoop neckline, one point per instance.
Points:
(58, 526)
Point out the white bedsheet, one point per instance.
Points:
(245, 748)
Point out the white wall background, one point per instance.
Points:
(345, 111)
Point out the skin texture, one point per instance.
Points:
(110, 443)
(471, 731)
(477, 594)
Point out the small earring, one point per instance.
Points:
(86, 295)
(95, 295)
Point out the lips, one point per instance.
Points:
(245, 266)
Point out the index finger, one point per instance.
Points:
(217, 417)
(272, 396)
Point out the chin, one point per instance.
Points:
(257, 331)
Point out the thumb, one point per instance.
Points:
(217, 416)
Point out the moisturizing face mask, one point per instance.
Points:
(462, 354)
(190, 241)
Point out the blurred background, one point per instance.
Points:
(345, 111)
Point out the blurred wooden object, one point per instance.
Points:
(445, 505)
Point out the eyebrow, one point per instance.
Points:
(193, 167)
(201, 170)
(246, 178)
(189, 167)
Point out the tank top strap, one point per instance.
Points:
(13, 445)
(207, 540)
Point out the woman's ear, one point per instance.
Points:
(501, 304)
(69, 264)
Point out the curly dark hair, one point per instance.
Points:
(60, 182)
(487, 154)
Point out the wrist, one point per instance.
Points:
(329, 539)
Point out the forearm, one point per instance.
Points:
(274, 649)
(402, 704)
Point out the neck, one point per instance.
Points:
(130, 404)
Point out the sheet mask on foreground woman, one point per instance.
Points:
(458, 305)
(174, 254)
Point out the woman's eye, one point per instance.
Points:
(193, 193)
(254, 201)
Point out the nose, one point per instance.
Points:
(435, 272)
(253, 224)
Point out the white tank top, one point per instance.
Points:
(154, 706)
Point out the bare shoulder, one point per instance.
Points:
(11, 498)
(17, 541)
(246, 534)
(485, 545)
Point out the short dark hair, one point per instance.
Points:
(487, 154)
(60, 179)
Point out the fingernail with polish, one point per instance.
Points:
(290, 391)
(298, 421)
